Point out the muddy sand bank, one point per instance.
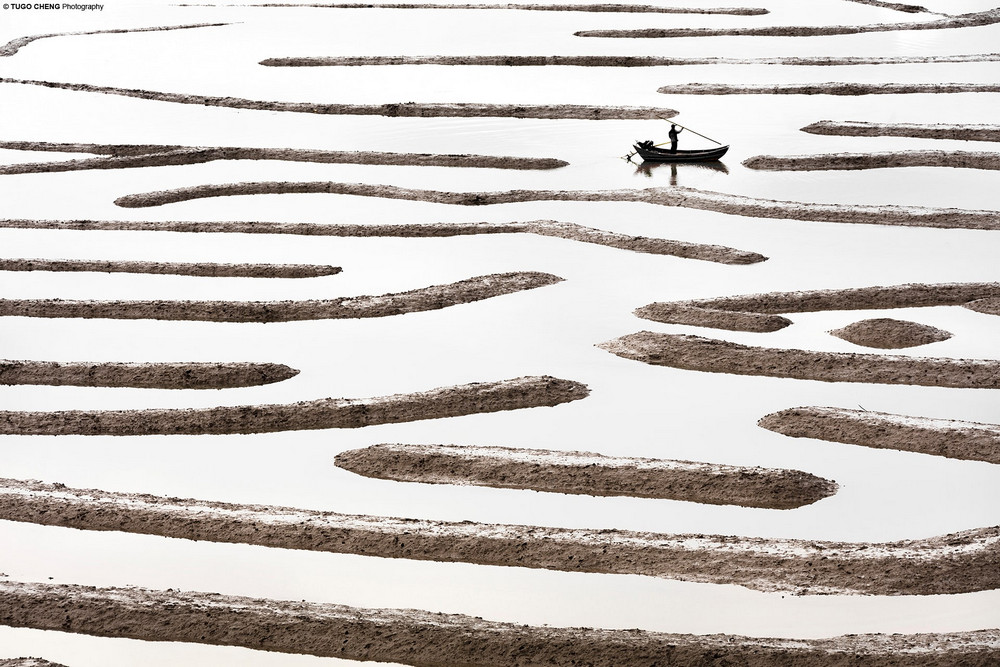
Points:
(588, 473)
(15, 45)
(467, 399)
(828, 88)
(28, 662)
(710, 355)
(200, 269)
(858, 128)
(552, 228)
(707, 200)
(886, 160)
(986, 306)
(385, 305)
(614, 8)
(890, 334)
(954, 563)
(761, 312)
(970, 441)
(422, 638)
(393, 109)
(187, 375)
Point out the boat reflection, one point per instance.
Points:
(646, 168)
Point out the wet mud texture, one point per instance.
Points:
(425, 639)
(189, 375)
(474, 398)
(761, 312)
(988, 17)
(853, 161)
(393, 109)
(857, 128)
(986, 306)
(696, 353)
(707, 200)
(590, 474)
(955, 563)
(413, 301)
(899, 7)
(13, 46)
(129, 156)
(828, 88)
(552, 228)
(969, 441)
(890, 334)
(201, 269)
(28, 662)
(615, 61)
(555, 7)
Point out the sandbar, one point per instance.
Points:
(187, 375)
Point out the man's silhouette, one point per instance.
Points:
(673, 137)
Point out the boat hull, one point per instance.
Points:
(665, 155)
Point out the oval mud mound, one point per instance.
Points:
(890, 334)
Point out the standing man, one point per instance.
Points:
(673, 137)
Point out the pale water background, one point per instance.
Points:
(634, 409)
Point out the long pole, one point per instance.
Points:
(692, 131)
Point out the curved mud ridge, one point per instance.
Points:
(422, 638)
(828, 88)
(28, 662)
(710, 355)
(556, 7)
(759, 312)
(129, 156)
(13, 46)
(860, 128)
(553, 228)
(385, 305)
(887, 160)
(459, 400)
(707, 200)
(187, 375)
(954, 563)
(988, 17)
(987, 306)
(969, 441)
(898, 6)
(890, 334)
(201, 269)
(589, 474)
(392, 109)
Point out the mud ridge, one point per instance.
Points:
(890, 334)
(393, 109)
(552, 228)
(710, 355)
(828, 88)
(974, 19)
(13, 46)
(899, 7)
(142, 155)
(987, 306)
(459, 400)
(601, 8)
(589, 474)
(385, 305)
(707, 200)
(760, 312)
(28, 662)
(857, 128)
(955, 563)
(614, 61)
(888, 160)
(201, 269)
(969, 441)
(188, 375)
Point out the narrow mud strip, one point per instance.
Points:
(28, 662)
(385, 305)
(553, 228)
(887, 160)
(956, 563)
(987, 306)
(187, 375)
(459, 400)
(969, 441)
(707, 200)
(988, 17)
(860, 128)
(601, 8)
(890, 334)
(589, 474)
(828, 88)
(423, 638)
(615, 61)
(13, 46)
(201, 269)
(759, 312)
(899, 7)
(134, 156)
(696, 353)
(392, 109)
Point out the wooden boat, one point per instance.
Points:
(647, 151)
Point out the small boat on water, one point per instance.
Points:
(647, 151)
